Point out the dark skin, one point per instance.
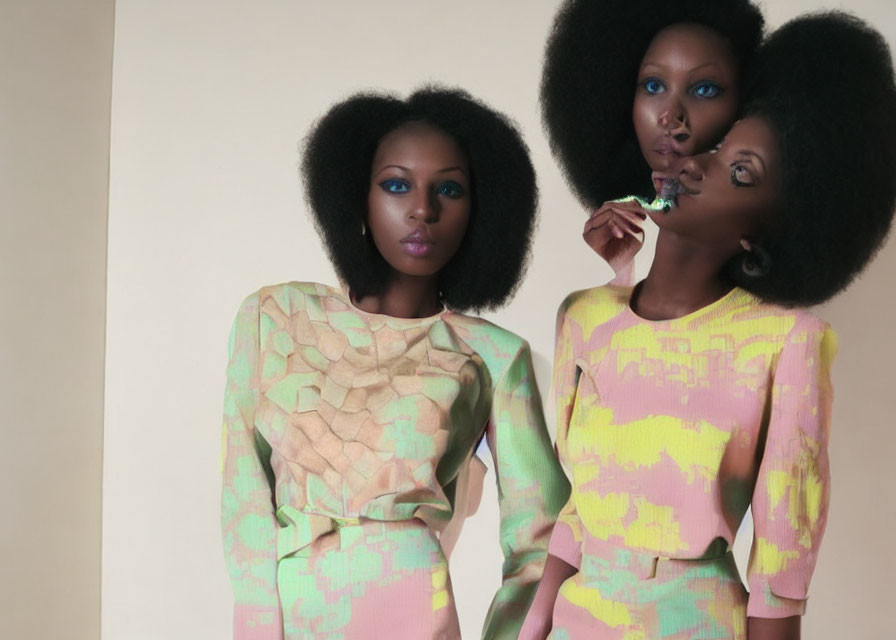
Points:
(726, 192)
(418, 209)
(687, 96)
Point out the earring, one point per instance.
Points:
(757, 262)
(363, 228)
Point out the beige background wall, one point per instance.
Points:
(209, 100)
(55, 87)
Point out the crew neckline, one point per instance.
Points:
(723, 301)
(347, 298)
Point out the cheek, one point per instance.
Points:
(710, 123)
(644, 118)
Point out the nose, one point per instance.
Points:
(692, 168)
(425, 206)
(674, 118)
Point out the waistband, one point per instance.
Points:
(646, 565)
(299, 529)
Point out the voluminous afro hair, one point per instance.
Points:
(336, 165)
(590, 76)
(825, 83)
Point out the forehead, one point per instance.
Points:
(689, 45)
(753, 133)
(419, 142)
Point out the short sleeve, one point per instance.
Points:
(566, 539)
(248, 524)
(790, 501)
(531, 490)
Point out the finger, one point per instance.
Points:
(633, 208)
(616, 230)
(631, 216)
(631, 226)
(601, 214)
(598, 222)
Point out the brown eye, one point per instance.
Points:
(741, 176)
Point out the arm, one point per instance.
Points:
(247, 508)
(537, 625)
(774, 629)
(564, 549)
(531, 490)
(793, 484)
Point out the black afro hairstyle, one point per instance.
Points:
(336, 165)
(590, 76)
(824, 82)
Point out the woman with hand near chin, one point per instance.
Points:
(705, 389)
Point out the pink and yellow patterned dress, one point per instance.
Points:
(347, 441)
(670, 430)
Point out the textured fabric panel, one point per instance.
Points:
(335, 418)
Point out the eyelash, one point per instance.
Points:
(646, 81)
(694, 90)
(449, 188)
(734, 180)
(718, 90)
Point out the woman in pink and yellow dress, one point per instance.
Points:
(705, 389)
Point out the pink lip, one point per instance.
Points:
(668, 148)
(417, 244)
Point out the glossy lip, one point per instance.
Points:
(417, 244)
(668, 147)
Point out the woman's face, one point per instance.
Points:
(725, 191)
(687, 94)
(418, 204)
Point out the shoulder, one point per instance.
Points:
(294, 297)
(795, 330)
(485, 336)
(789, 322)
(594, 306)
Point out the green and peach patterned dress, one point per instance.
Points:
(670, 430)
(348, 438)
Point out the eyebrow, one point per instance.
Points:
(753, 154)
(692, 70)
(403, 168)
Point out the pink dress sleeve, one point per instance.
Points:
(790, 501)
(248, 523)
(566, 538)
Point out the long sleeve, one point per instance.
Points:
(531, 490)
(247, 509)
(793, 484)
(566, 539)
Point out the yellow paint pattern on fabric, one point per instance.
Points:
(653, 344)
(804, 498)
(440, 596)
(695, 448)
(655, 528)
(613, 614)
(769, 558)
(602, 515)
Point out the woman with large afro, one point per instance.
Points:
(629, 87)
(352, 414)
(705, 389)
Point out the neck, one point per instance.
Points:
(404, 297)
(683, 278)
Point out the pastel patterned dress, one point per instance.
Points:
(670, 430)
(348, 438)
